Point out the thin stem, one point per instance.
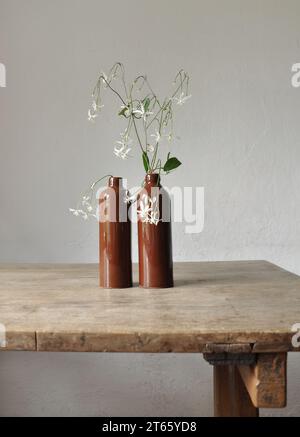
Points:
(96, 182)
(121, 66)
(113, 90)
(90, 191)
(137, 134)
(157, 144)
(164, 106)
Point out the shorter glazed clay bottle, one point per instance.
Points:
(115, 266)
(155, 240)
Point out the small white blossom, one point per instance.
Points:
(148, 210)
(156, 136)
(182, 99)
(129, 198)
(144, 210)
(92, 115)
(125, 137)
(154, 217)
(96, 107)
(74, 211)
(150, 148)
(122, 151)
(169, 136)
(141, 112)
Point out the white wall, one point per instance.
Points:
(239, 139)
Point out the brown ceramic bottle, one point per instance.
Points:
(155, 240)
(114, 237)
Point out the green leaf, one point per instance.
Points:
(146, 161)
(122, 112)
(171, 164)
(146, 103)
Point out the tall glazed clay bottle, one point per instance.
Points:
(115, 265)
(154, 235)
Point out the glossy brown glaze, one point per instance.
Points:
(115, 265)
(155, 241)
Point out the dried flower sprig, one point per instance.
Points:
(87, 205)
(148, 118)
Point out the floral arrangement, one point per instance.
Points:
(149, 120)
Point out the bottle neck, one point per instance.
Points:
(115, 182)
(152, 179)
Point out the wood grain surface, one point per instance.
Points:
(231, 398)
(61, 308)
(266, 381)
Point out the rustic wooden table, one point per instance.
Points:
(238, 314)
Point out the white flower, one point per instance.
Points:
(86, 202)
(125, 139)
(149, 211)
(182, 99)
(124, 155)
(80, 212)
(150, 148)
(93, 112)
(118, 151)
(92, 115)
(74, 211)
(144, 210)
(96, 107)
(156, 137)
(122, 151)
(154, 217)
(169, 136)
(129, 198)
(141, 112)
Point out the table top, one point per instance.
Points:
(61, 308)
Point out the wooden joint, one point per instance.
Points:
(266, 380)
(228, 359)
(220, 354)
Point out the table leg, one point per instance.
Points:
(231, 398)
